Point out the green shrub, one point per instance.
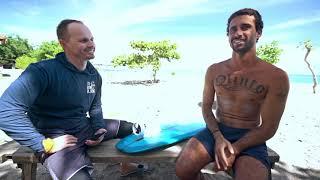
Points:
(270, 52)
(14, 48)
(23, 61)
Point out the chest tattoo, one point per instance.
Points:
(237, 83)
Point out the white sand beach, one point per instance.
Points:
(176, 99)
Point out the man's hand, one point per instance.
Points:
(230, 160)
(224, 153)
(96, 142)
(62, 142)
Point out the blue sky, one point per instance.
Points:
(197, 26)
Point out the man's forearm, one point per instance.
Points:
(212, 123)
(22, 130)
(252, 138)
(96, 117)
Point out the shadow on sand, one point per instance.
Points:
(282, 171)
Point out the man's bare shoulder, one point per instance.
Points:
(279, 81)
(274, 71)
(218, 66)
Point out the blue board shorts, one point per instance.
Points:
(258, 152)
(63, 164)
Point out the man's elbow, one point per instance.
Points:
(271, 132)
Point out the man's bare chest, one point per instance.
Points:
(240, 84)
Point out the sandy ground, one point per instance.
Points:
(175, 99)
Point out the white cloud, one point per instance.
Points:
(25, 9)
(109, 25)
(109, 22)
(296, 22)
(103, 14)
(34, 35)
(161, 10)
(275, 2)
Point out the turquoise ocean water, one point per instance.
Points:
(168, 74)
(301, 78)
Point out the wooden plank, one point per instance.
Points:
(106, 152)
(29, 171)
(24, 155)
(7, 149)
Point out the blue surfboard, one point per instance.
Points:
(168, 134)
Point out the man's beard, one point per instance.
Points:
(247, 45)
(90, 54)
(90, 57)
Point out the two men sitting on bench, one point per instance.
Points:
(62, 98)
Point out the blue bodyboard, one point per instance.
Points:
(169, 134)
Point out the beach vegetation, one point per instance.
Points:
(308, 46)
(46, 50)
(148, 54)
(23, 61)
(270, 52)
(14, 47)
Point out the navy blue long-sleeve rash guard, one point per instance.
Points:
(50, 96)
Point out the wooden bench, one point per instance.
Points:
(106, 153)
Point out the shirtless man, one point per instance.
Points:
(251, 97)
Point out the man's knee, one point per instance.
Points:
(192, 158)
(117, 128)
(181, 169)
(125, 129)
(183, 166)
(247, 167)
(185, 173)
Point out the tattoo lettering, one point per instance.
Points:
(237, 82)
(283, 93)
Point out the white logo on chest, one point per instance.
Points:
(91, 87)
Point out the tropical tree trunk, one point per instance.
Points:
(309, 66)
(154, 74)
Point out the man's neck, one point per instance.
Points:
(246, 60)
(78, 63)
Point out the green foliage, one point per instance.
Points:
(148, 54)
(15, 47)
(270, 52)
(18, 50)
(306, 44)
(46, 50)
(23, 61)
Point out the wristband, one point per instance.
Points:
(48, 145)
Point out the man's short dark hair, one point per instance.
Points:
(62, 32)
(250, 12)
